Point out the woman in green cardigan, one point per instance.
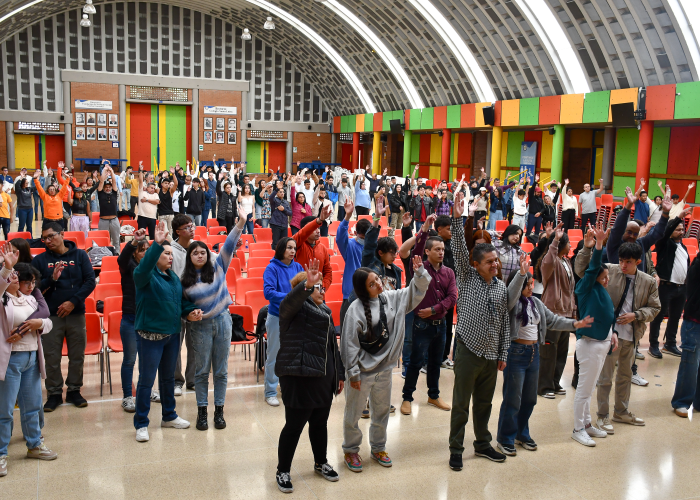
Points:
(159, 306)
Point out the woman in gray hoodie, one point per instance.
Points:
(370, 347)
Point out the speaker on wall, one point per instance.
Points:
(623, 114)
(395, 126)
(489, 115)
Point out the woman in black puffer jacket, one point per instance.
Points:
(310, 372)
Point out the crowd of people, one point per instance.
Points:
(515, 310)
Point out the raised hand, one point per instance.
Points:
(435, 190)
(600, 235)
(381, 209)
(37, 173)
(524, 263)
(429, 221)
(667, 204)
(161, 232)
(459, 204)
(417, 263)
(326, 212)
(140, 234)
(548, 229)
(586, 322)
(642, 182)
(537, 177)
(473, 207)
(313, 274)
(58, 268)
(349, 206)
(685, 213)
(589, 238)
(406, 219)
(559, 231)
(631, 198)
(10, 259)
(566, 182)
(480, 223)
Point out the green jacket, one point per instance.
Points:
(159, 301)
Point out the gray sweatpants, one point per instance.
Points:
(111, 225)
(378, 388)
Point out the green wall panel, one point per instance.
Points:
(530, 111)
(659, 151)
(596, 107)
(398, 115)
(515, 142)
(687, 100)
(620, 183)
(427, 119)
(344, 122)
(414, 119)
(175, 130)
(415, 150)
(386, 118)
(452, 145)
(369, 122)
(255, 152)
(453, 116)
(626, 150)
(352, 123)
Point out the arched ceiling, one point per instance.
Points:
(611, 44)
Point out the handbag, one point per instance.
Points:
(238, 333)
(374, 341)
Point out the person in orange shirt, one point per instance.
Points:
(5, 211)
(68, 179)
(308, 246)
(53, 202)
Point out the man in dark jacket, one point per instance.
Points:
(422, 206)
(279, 220)
(195, 202)
(443, 226)
(67, 279)
(672, 263)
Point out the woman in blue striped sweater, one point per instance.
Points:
(204, 283)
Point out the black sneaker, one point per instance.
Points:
(75, 398)
(654, 352)
(53, 402)
(491, 454)
(455, 461)
(672, 350)
(219, 421)
(284, 482)
(529, 445)
(507, 449)
(202, 415)
(326, 471)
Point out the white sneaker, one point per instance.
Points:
(155, 396)
(129, 404)
(142, 434)
(449, 364)
(682, 412)
(178, 423)
(594, 432)
(604, 425)
(638, 380)
(424, 369)
(582, 437)
(272, 401)
(3, 465)
(178, 390)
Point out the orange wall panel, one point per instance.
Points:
(468, 115)
(622, 95)
(440, 117)
(550, 110)
(510, 113)
(571, 109)
(479, 114)
(661, 102)
(498, 112)
(336, 124)
(378, 119)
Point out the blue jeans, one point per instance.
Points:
(25, 219)
(407, 341)
(427, 339)
(265, 222)
(156, 356)
(126, 196)
(533, 222)
(272, 324)
(22, 384)
(688, 380)
(519, 393)
(211, 339)
(37, 203)
(493, 217)
(5, 224)
(128, 335)
(250, 224)
(419, 225)
(205, 216)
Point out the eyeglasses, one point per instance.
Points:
(31, 284)
(319, 287)
(188, 227)
(49, 237)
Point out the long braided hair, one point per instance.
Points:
(359, 283)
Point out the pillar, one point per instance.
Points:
(195, 124)
(334, 148)
(377, 153)
(67, 128)
(122, 126)
(646, 137)
(558, 152)
(609, 156)
(445, 158)
(10, 134)
(496, 137)
(407, 140)
(244, 126)
(355, 151)
(288, 156)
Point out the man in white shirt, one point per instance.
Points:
(520, 209)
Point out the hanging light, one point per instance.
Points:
(246, 34)
(88, 8)
(269, 25)
(85, 22)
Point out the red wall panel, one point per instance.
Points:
(661, 102)
(440, 117)
(336, 125)
(549, 110)
(346, 155)
(536, 136)
(276, 154)
(497, 114)
(464, 151)
(468, 115)
(377, 122)
(56, 149)
(140, 133)
(683, 154)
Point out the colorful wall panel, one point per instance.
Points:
(659, 157)
(625, 159)
(158, 132)
(530, 111)
(453, 116)
(550, 110)
(360, 124)
(545, 157)
(510, 113)
(426, 122)
(596, 107)
(25, 151)
(479, 113)
(468, 115)
(571, 108)
(660, 102)
(683, 154)
(687, 100)
(622, 95)
(266, 156)
(440, 117)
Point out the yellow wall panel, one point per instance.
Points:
(479, 114)
(546, 155)
(620, 96)
(25, 151)
(510, 113)
(571, 109)
(435, 151)
(504, 149)
(435, 172)
(360, 123)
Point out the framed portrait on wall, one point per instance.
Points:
(113, 134)
(90, 119)
(220, 137)
(219, 123)
(113, 120)
(101, 119)
(208, 123)
(232, 138)
(101, 134)
(232, 124)
(80, 119)
(91, 133)
(208, 137)
(80, 133)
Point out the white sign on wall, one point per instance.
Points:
(220, 110)
(90, 104)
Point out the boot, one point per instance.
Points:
(219, 421)
(202, 424)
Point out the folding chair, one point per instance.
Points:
(100, 241)
(200, 233)
(78, 235)
(245, 285)
(335, 306)
(254, 247)
(109, 264)
(23, 235)
(110, 277)
(263, 234)
(258, 262)
(94, 345)
(249, 326)
(256, 272)
(334, 293)
(114, 340)
(100, 232)
(95, 221)
(107, 290)
(212, 223)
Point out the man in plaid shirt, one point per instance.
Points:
(483, 337)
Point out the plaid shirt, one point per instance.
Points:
(507, 254)
(443, 208)
(483, 324)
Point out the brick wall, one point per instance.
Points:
(220, 98)
(312, 146)
(3, 145)
(99, 92)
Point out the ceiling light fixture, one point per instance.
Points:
(89, 8)
(246, 35)
(85, 22)
(269, 25)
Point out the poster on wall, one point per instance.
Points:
(80, 119)
(113, 134)
(92, 104)
(232, 124)
(232, 138)
(101, 119)
(219, 124)
(208, 123)
(113, 121)
(208, 137)
(528, 159)
(91, 133)
(101, 134)
(79, 133)
(220, 110)
(220, 138)
(91, 119)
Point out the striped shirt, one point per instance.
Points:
(213, 298)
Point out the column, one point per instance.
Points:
(10, 134)
(195, 124)
(646, 137)
(377, 153)
(356, 151)
(243, 128)
(407, 140)
(334, 148)
(609, 156)
(445, 158)
(122, 126)
(67, 128)
(558, 152)
(289, 155)
(496, 137)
